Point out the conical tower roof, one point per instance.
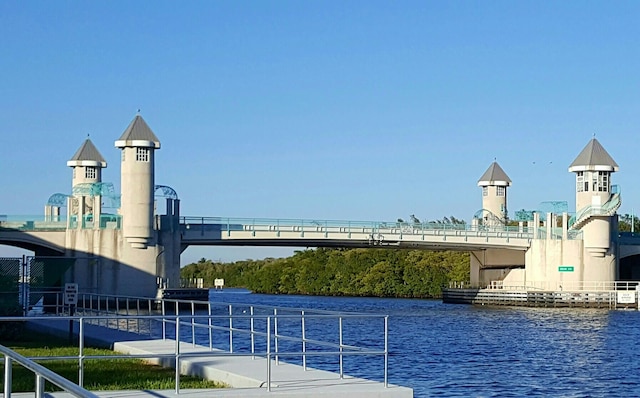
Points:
(87, 155)
(494, 176)
(138, 134)
(594, 158)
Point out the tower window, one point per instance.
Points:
(580, 187)
(603, 181)
(90, 172)
(485, 191)
(501, 191)
(142, 154)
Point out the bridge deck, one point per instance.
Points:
(276, 233)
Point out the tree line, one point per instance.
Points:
(341, 272)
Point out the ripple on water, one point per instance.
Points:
(445, 350)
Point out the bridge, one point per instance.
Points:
(36, 233)
(214, 231)
(127, 251)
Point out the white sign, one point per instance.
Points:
(218, 283)
(626, 297)
(70, 293)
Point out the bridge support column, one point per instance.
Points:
(97, 210)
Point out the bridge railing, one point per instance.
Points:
(32, 223)
(44, 223)
(592, 286)
(372, 228)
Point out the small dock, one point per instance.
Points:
(609, 299)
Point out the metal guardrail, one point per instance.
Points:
(376, 229)
(245, 326)
(57, 223)
(273, 224)
(592, 286)
(607, 209)
(41, 374)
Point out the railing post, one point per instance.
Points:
(138, 316)
(386, 350)
(253, 337)
(7, 376)
(193, 324)
(230, 328)
(340, 339)
(268, 354)
(304, 342)
(81, 353)
(275, 333)
(210, 328)
(177, 349)
(150, 320)
(98, 310)
(39, 386)
(164, 322)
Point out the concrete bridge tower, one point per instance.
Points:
(595, 206)
(494, 183)
(87, 164)
(138, 144)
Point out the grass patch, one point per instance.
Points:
(99, 374)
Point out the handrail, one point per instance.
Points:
(195, 229)
(41, 373)
(566, 286)
(607, 209)
(82, 301)
(94, 309)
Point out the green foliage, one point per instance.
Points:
(625, 221)
(342, 272)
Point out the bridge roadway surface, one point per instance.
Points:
(246, 376)
(220, 231)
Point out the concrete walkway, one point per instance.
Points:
(247, 376)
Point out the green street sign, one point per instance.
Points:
(565, 268)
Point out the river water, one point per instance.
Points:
(451, 350)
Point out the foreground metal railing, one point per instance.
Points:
(224, 329)
(41, 374)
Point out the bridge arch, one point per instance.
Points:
(164, 191)
(630, 268)
(40, 248)
(58, 200)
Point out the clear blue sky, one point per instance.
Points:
(357, 110)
